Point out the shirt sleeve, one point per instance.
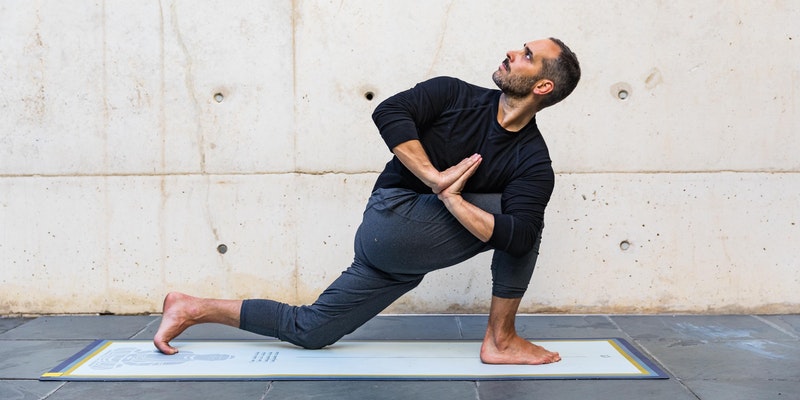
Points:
(401, 117)
(523, 202)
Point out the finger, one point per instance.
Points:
(459, 183)
(472, 168)
(469, 172)
(466, 164)
(452, 174)
(471, 160)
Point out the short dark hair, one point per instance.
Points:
(564, 71)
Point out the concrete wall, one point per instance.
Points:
(138, 136)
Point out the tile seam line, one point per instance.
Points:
(776, 326)
(47, 396)
(155, 320)
(610, 319)
(645, 350)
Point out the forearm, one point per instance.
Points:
(477, 221)
(414, 157)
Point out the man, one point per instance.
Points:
(471, 173)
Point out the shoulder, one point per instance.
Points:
(443, 81)
(449, 83)
(534, 156)
(458, 93)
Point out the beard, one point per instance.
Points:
(513, 85)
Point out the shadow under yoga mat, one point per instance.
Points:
(137, 360)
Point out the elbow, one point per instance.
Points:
(524, 242)
(518, 251)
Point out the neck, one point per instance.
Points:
(514, 113)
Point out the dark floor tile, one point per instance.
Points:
(383, 390)
(26, 359)
(11, 323)
(745, 389)
(788, 323)
(389, 327)
(716, 357)
(698, 327)
(547, 326)
(161, 390)
(756, 359)
(202, 332)
(79, 327)
(26, 389)
(585, 389)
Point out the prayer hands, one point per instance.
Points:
(452, 180)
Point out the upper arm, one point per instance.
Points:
(400, 117)
(523, 202)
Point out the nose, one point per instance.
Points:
(513, 54)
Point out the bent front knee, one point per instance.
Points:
(312, 341)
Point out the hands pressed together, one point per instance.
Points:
(451, 181)
(447, 183)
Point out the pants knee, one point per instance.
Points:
(312, 340)
(506, 292)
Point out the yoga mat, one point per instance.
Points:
(138, 360)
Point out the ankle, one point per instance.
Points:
(500, 339)
(183, 306)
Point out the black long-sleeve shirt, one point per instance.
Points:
(453, 120)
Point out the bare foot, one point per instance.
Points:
(176, 317)
(516, 350)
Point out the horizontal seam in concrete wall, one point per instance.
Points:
(134, 175)
(681, 172)
(22, 176)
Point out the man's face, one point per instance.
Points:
(519, 72)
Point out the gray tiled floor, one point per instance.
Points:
(708, 357)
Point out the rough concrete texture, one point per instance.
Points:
(138, 137)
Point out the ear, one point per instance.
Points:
(542, 87)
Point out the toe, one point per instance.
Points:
(165, 348)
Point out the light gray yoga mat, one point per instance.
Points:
(137, 360)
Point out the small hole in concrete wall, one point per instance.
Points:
(621, 91)
(219, 97)
(369, 96)
(222, 249)
(625, 245)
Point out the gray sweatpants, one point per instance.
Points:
(403, 236)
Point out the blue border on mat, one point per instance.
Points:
(68, 363)
(650, 365)
(54, 374)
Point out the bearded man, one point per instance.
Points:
(471, 172)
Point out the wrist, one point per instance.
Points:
(432, 178)
(451, 200)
